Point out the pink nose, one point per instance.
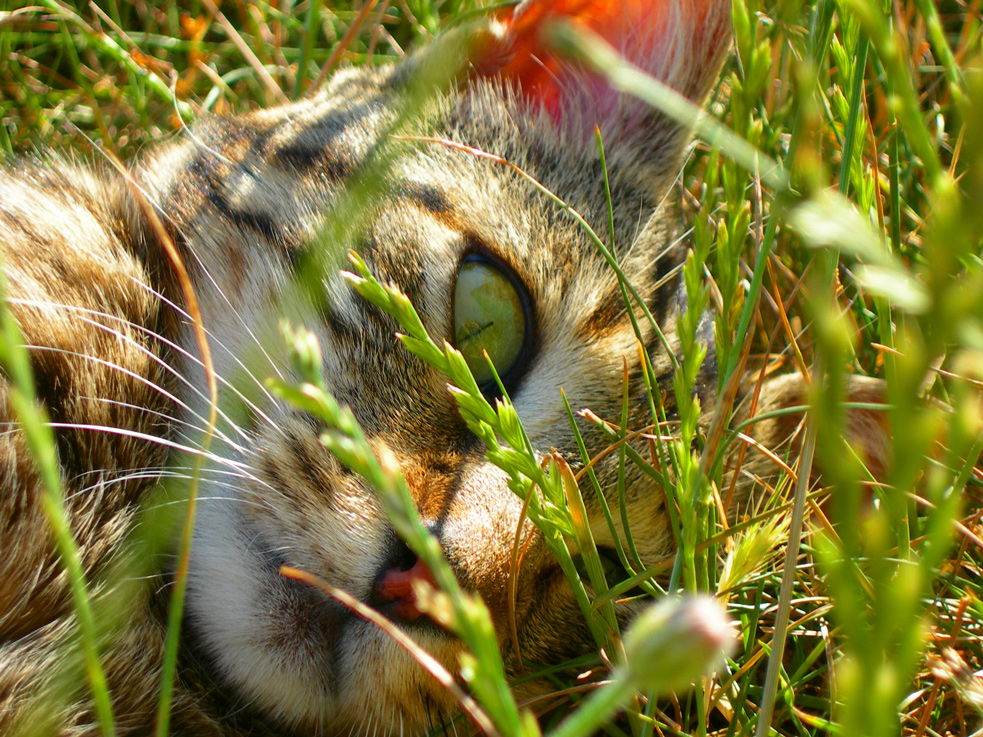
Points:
(393, 593)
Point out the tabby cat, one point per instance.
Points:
(119, 369)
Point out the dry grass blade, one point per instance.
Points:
(247, 53)
(176, 613)
(342, 45)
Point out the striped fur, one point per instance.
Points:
(245, 200)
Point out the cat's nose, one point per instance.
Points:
(393, 593)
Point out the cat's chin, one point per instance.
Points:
(294, 654)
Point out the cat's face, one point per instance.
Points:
(447, 227)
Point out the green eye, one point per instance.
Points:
(489, 315)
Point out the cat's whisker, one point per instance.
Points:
(214, 498)
(191, 385)
(164, 365)
(85, 314)
(139, 408)
(141, 379)
(215, 342)
(239, 472)
(180, 503)
(640, 221)
(668, 278)
(109, 364)
(148, 438)
(167, 472)
(202, 146)
(175, 422)
(98, 472)
(103, 483)
(252, 546)
(93, 313)
(244, 324)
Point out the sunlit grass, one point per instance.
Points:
(857, 253)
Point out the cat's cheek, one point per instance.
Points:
(404, 697)
(273, 641)
(288, 649)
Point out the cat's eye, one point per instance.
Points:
(491, 313)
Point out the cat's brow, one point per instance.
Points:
(425, 195)
(438, 203)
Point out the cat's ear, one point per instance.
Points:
(680, 42)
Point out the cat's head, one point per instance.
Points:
(444, 224)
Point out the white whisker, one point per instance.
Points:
(169, 472)
(116, 367)
(147, 382)
(191, 450)
(174, 422)
(214, 498)
(245, 325)
(170, 344)
(104, 483)
(216, 342)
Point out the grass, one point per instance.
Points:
(856, 253)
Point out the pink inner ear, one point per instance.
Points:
(678, 41)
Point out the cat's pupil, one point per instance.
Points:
(490, 314)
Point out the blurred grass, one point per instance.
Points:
(885, 629)
(119, 72)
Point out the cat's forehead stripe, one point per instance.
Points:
(424, 194)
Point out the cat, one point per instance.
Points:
(119, 369)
